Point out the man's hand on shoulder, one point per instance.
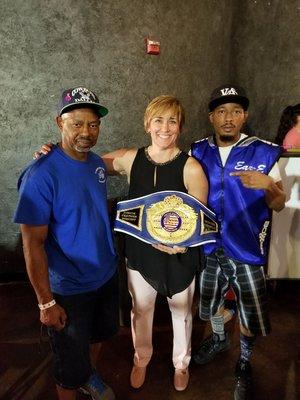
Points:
(45, 149)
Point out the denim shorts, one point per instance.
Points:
(91, 318)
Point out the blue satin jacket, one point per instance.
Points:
(243, 214)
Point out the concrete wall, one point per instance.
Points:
(49, 45)
(265, 58)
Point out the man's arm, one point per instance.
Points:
(275, 195)
(117, 162)
(37, 268)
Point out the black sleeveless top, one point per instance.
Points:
(168, 274)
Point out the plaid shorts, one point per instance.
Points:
(248, 283)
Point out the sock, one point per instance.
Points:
(217, 323)
(231, 306)
(247, 344)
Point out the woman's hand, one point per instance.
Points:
(170, 250)
(45, 149)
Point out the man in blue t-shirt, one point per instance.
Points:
(68, 245)
(244, 186)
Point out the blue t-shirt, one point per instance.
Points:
(70, 197)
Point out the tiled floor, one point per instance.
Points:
(25, 364)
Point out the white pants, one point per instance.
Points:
(143, 303)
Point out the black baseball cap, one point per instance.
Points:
(79, 97)
(228, 94)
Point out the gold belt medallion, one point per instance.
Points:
(171, 220)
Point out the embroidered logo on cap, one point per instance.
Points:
(229, 92)
(83, 94)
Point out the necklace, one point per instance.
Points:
(163, 163)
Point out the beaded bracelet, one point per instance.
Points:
(47, 305)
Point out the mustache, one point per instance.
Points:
(228, 126)
(86, 139)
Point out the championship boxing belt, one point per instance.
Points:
(168, 217)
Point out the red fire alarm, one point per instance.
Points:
(152, 46)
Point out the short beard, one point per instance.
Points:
(82, 150)
(226, 139)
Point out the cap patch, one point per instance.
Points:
(68, 97)
(229, 92)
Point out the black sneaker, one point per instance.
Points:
(210, 348)
(243, 386)
(83, 391)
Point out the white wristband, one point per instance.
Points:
(47, 305)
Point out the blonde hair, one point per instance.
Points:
(162, 104)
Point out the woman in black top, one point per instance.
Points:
(157, 268)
